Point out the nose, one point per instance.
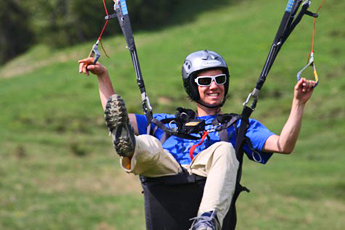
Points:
(213, 84)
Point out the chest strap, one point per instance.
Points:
(195, 131)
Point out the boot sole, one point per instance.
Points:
(116, 118)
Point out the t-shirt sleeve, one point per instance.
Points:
(257, 134)
(141, 122)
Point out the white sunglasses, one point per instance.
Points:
(220, 79)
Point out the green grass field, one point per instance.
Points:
(58, 169)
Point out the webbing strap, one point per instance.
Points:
(287, 25)
(241, 136)
(169, 131)
(221, 122)
(225, 123)
(121, 12)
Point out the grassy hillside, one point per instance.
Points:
(57, 166)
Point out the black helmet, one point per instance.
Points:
(200, 61)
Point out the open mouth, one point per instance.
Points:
(216, 95)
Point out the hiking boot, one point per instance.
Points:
(119, 126)
(206, 221)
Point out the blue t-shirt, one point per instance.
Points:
(179, 147)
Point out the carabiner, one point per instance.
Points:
(93, 52)
(311, 64)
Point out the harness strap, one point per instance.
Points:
(179, 179)
(227, 120)
(241, 136)
(164, 137)
(223, 135)
(223, 122)
(169, 131)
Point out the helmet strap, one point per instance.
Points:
(211, 106)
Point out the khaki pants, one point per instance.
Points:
(218, 163)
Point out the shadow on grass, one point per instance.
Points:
(188, 10)
(182, 12)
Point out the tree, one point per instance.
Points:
(15, 33)
(61, 23)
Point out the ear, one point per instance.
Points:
(194, 95)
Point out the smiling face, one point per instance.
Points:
(212, 94)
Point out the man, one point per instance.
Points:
(206, 81)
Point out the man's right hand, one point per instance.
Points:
(86, 66)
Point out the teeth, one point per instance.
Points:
(213, 94)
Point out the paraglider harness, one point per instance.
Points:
(175, 199)
(157, 190)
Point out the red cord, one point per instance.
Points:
(105, 7)
(103, 29)
(204, 135)
(313, 36)
(100, 36)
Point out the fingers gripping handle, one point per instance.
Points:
(310, 64)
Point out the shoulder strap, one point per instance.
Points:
(241, 135)
(223, 122)
(226, 120)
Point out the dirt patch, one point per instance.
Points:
(110, 182)
(24, 65)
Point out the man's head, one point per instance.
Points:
(206, 78)
(211, 86)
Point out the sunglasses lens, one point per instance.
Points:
(221, 79)
(204, 81)
(207, 80)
